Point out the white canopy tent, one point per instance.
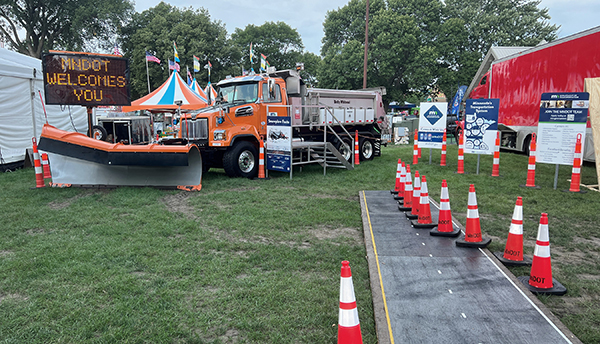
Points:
(21, 109)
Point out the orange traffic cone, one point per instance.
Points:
(400, 194)
(416, 198)
(443, 158)
(513, 251)
(445, 226)
(261, 161)
(461, 153)
(46, 166)
(356, 154)
(496, 162)
(348, 324)
(424, 219)
(473, 236)
(540, 279)
(416, 148)
(576, 174)
(408, 191)
(397, 185)
(39, 174)
(531, 165)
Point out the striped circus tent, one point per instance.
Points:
(164, 97)
(211, 93)
(199, 91)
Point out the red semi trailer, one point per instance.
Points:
(519, 75)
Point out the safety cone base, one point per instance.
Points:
(461, 172)
(416, 224)
(491, 175)
(525, 262)
(580, 191)
(403, 208)
(479, 244)
(411, 216)
(531, 187)
(557, 288)
(265, 178)
(398, 198)
(393, 192)
(454, 233)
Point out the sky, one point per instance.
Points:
(307, 16)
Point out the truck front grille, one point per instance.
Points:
(195, 129)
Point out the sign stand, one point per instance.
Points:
(478, 158)
(556, 177)
(430, 149)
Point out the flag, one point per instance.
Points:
(244, 72)
(175, 52)
(152, 58)
(251, 54)
(458, 99)
(209, 67)
(171, 65)
(116, 50)
(177, 68)
(189, 75)
(196, 64)
(263, 62)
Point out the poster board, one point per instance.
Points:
(592, 86)
(279, 142)
(481, 125)
(562, 116)
(432, 123)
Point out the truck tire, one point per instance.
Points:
(366, 148)
(99, 133)
(526, 143)
(345, 151)
(241, 160)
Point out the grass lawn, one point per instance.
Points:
(248, 261)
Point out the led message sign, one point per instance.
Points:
(86, 79)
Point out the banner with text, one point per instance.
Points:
(279, 143)
(432, 123)
(481, 125)
(562, 117)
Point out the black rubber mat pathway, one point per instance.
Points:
(427, 290)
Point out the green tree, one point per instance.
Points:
(61, 24)
(418, 47)
(156, 29)
(280, 43)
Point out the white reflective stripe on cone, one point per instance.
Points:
(542, 251)
(346, 290)
(576, 170)
(531, 167)
(348, 317)
(460, 157)
(496, 161)
(444, 204)
(543, 235)
(472, 213)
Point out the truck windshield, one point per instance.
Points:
(239, 93)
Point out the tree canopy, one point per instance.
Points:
(156, 29)
(422, 46)
(61, 24)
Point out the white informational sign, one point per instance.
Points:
(279, 143)
(562, 117)
(481, 125)
(432, 123)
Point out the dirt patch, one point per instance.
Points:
(35, 231)
(6, 253)
(178, 203)
(56, 205)
(231, 336)
(17, 297)
(329, 233)
(568, 305)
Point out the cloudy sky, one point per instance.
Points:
(307, 16)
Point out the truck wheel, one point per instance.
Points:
(346, 150)
(241, 160)
(526, 143)
(367, 149)
(99, 133)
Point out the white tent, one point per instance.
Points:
(21, 110)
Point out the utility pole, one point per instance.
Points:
(366, 47)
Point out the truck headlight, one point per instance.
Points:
(219, 135)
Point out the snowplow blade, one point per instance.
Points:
(78, 160)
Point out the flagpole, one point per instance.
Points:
(148, 75)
